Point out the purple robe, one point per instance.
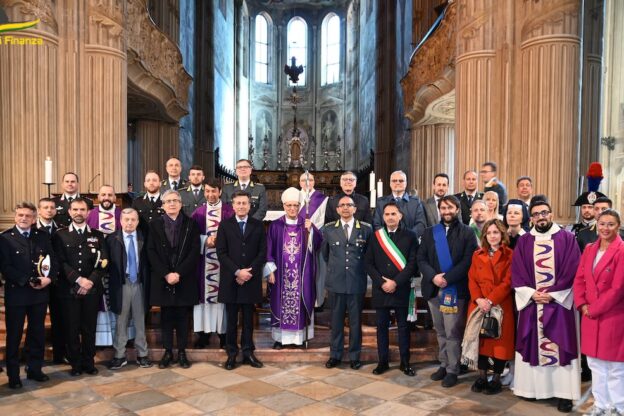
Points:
(199, 216)
(558, 322)
(93, 219)
(287, 314)
(316, 199)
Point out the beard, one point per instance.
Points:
(543, 228)
(106, 204)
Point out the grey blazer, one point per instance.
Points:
(431, 212)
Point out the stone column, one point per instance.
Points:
(29, 103)
(432, 151)
(156, 142)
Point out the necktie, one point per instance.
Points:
(70, 199)
(79, 231)
(48, 229)
(26, 234)
(391, 234)
(469, 200)
(132, 261)
(243, 186)
(241, 225)
(346, 231)
(152, 199)
(196, 191)
(175, 184)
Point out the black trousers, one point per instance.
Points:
(35, 337)
(57, 327)
(80, 315)
(341, 304)
(484, 364)
(175, 317)
(383, 340)
(231, 314)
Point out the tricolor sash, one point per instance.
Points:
(391, 250)
(447, 296)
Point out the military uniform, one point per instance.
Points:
(80, 255)
(62, 217)
(166, 185)
(19, 258)
(147, 210)
(258, 197)
(465, 204)
(190, 202)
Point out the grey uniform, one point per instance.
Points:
(258, 197)
(190, 202)
(346, 283)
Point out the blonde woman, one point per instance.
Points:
(491, 200)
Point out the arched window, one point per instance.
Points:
(262, 49)
(297, 36)
(330, 49)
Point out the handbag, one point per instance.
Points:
(489, 327)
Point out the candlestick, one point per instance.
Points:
(380, 188)
(373, 198)
(47, 169)
(371, 181)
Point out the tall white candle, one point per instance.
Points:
(47, 169)
(373, 198)
(380, 188)
(371, 181)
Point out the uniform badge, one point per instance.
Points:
(591, 197)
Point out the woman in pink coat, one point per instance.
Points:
(599, 296)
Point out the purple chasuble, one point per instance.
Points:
(93, 220)
(203, 278)
(316, 199)
(294, 292)
(558, 322)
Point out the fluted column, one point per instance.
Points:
(156, 141)
(432, 151)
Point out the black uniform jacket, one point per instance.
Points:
(240, 251)
(18, 262)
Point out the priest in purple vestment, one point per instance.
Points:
(292, 244)
(543, 268)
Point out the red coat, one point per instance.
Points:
(490, 277)
(602, 334)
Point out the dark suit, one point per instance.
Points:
(240, 251)
(412, 209)
(466, 205)
(362, 204)
(18, 258)
(431, 212)
(379, 264)
(77, 255)
(62, 217)
(176, 300)
(147, 210)
(166, 185)
(189, 201)
(256, 191)
(346, 283)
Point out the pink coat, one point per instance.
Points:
(602, 334)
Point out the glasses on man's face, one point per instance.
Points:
(348, 179)
(243, 167)
(544, 214)
(397, 180)
(291, 205)
(346, 205)
(171, 201)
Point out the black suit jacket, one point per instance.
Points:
(117, 268)
(362, 204)
(165, 259)
(77, 255)
(18, 258)
(62, 217)
(378, 264)
(462, 244)
(147, 210)
(240, 251)
(465, 206)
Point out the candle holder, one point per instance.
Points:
(49, 185)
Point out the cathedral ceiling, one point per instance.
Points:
(289, 4)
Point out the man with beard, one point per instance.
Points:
(469, 195)
(70, 186)
(478, 217)
(542, 273)
(83, 259)
(444, 258)
(586, 199)
(174, 180)
(348, 181)
(173, 253)
(149, 206)
(193, 195)
(209, 313)
(440, 188)
(105, 218)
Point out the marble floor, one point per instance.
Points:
(276, 389)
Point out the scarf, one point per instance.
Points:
(470, 343)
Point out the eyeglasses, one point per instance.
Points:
(348, 179)
(397, 180)
(291, 205)
(346, 205)
(243, 167)
(540, 214)
(171, 201)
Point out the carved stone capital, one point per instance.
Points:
(25, 10)
(106, 17)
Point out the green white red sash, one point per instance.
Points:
(391, 250)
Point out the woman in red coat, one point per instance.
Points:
(599, 296)
(489, 281)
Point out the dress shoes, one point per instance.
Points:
(15, 384)
(381, 368)
(407, 369)
(166, 359)
(230, 363)
(479, 385)
(439, 374)
(564, 405)
(332, 362)
(91, 370)
(183, 360)
(253, 361)
(75, 372)
(355, 364)
(493, 387)
(449, 380)
(37, 376)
